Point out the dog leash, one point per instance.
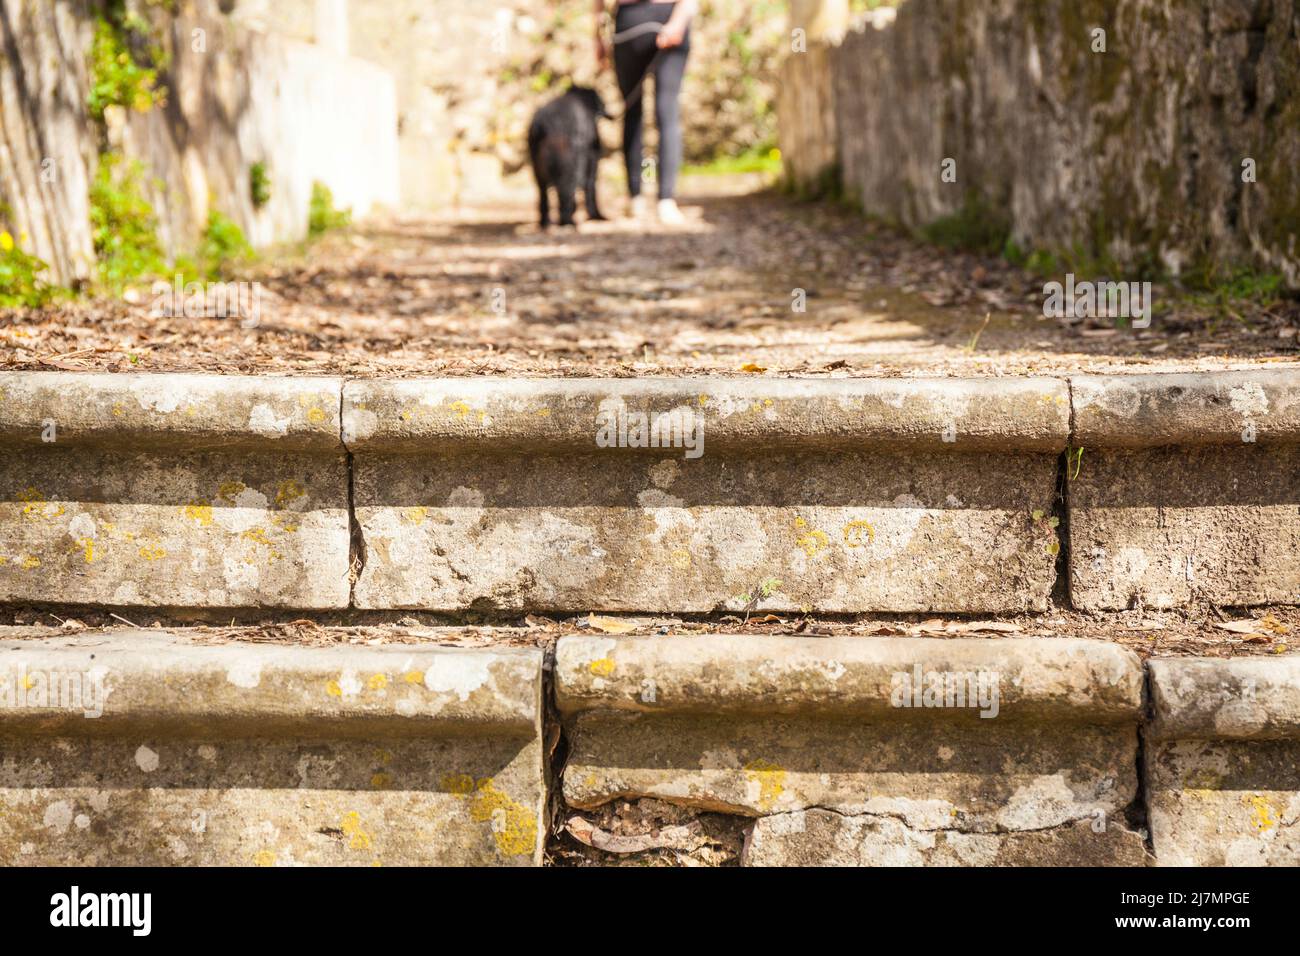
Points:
(631, 33)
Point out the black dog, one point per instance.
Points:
(564, 144)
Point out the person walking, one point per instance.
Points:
(650, 36)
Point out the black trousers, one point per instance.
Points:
(632, 59)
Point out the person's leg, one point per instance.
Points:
(633, 57)
(630, 63)
(668, 89)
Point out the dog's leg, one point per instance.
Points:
(589, 187)
(544, 204)
(567, 188)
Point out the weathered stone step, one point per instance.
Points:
(837, 496)
(152, 748)
(201, 491)
(852, 495)
(1223, 762)
(1188, 485)
(846, 753)
(165, 747)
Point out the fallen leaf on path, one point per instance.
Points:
(688, 837)
(610, 625)
(1240, 627)
(1273, 625)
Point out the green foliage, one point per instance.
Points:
(323, 216)
(762, 159)
(116, 77)
(259, 185)
(223, 245)
(975, 227)
(123, 224)
(20, 282)
(1224, 287)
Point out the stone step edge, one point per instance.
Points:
(172, 412)
(420, 415)
(1063, 679)
(1225, 699)
(97, 683)
(331, 414)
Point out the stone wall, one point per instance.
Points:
(237, 96)
(308, 113)
(1133, 155)
(46, 159)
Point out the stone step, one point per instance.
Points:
(128, 746)
(196, 491)
(844, 751)
(1189, 484)
(1223, 762)
(154, 748)
(837, 496)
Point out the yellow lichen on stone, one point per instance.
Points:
(770, 778)
(413, 677)
(200, 512)
(289, 492)
(854, 532)
(284, 522)
(36, 506)
(333, 689)
(1263, 815)
(88, 549)
(151, 552)
(514, 826)
(813, 541)
(30, 562)
(316, 415)
(681, 559)
(459, 784)
(377, 682)
(416, 515)
(258, 536)
(228, 491)
(602, 668)
(264, 858)
(358, 838)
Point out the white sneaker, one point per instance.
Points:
(669, 214)
(636, 208)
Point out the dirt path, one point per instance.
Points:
(485, 292)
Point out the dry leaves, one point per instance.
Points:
(611, 625)
(690, 836)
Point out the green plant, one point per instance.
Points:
(975, 227)
(259, 185)
(323, 216)
(20, 283)
(116, 78)
(123, 224)
(223, 244)
(760, 159)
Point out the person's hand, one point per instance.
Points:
(672, 34)
(602, 54)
